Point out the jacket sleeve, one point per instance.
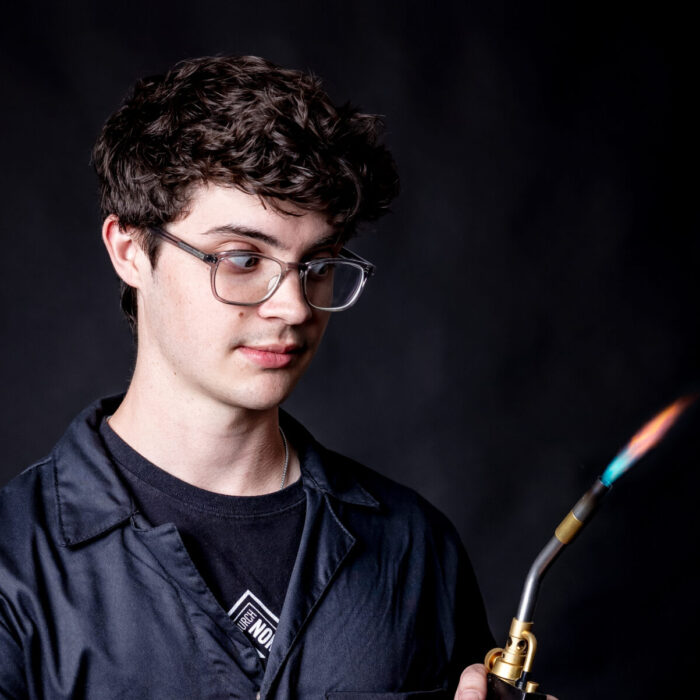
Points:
(474, 637)
(12, 677)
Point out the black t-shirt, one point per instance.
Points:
(243, 546)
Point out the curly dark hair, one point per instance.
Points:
(241, 122)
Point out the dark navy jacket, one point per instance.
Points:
(96, 603)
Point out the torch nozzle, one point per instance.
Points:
(566, 531)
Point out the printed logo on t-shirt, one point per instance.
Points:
(256, 621)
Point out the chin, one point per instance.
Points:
(261, 398)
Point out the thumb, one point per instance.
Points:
(472, 683)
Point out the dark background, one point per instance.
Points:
(536, 300)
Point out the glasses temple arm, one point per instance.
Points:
(369, 267)
(206, 257)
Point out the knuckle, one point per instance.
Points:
(474, 671)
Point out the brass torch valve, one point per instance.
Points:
(513, 664)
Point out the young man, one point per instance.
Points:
(190, 540)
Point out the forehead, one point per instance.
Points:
(215, 213)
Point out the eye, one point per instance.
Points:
(320, 269)
(242, 261)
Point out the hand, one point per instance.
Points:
(472, 684)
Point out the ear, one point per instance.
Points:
(128, 258)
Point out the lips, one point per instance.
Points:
(271, 356)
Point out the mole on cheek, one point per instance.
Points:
(240, 314)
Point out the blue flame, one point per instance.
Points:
(617, 467)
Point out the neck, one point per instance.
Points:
(206, 443)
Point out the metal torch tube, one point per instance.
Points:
(528, 599)
(565, 533)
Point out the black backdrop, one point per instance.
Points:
(536, 300)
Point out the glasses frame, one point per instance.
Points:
(213, 260)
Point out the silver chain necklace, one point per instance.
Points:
(286, 458)
(286, 454)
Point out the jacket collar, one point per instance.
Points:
(325, 470)
(92, 498)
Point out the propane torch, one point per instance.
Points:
(510, 667)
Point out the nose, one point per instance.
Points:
(288, 302)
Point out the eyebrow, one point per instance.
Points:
(245, 231)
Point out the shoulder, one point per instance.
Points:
(23, 495)
(400, 510)
(388, 491)
(347, 480)
(26, 511)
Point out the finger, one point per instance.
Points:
(472, 683)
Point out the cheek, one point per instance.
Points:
(321, 324)
(183, 310)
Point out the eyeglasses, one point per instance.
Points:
(247, 278)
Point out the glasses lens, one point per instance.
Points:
(333, 285)
(246, 278)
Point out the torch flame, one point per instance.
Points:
(645, 439)
(656, 428)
